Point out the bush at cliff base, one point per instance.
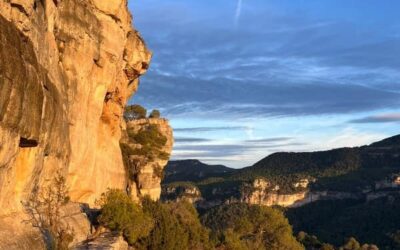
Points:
(120, 213)
(154, 225)
(176, 226)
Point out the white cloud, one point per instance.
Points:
(350, 137)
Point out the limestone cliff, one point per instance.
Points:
(67, 69)
(145, 168)
(181, 191)
(262, 192)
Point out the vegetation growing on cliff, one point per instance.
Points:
(151, 142)
(143, 146)
(155, 114)
(135, 111)
(44, 210)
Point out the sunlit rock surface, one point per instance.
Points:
(263, 193)
(67, 69)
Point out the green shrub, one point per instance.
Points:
(120, 213)
(135, 112)
(231, 240)
(311, 242)
(155, 114)
(176, 227)
(152, 142)
(256, 227)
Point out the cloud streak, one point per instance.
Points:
(269, 140)
(190, 140)
(384, 118)
(238, 12)
(209, 129)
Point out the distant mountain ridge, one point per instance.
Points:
(193, 170)
(393, 141)
(379, 155)
(337, 170)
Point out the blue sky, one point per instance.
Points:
(242, 79)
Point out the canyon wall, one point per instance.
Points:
(67, 69)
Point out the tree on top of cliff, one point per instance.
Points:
(155, 114)
(135, 111)
(152, 142)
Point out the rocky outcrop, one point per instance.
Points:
(16, 235)
(262, 192)
(67, 69)
(189, 193)
(105, 241)
(16, 232)
(327, 195)
(275, 199)
(145, 174)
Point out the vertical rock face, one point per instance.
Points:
(145, 174)
(67, 69)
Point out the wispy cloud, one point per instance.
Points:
(241, 152)
(235, 147)
(349, 137)
(384, 118)
(191, 140)
(209, 129)
(238, 12)
(269, 140)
